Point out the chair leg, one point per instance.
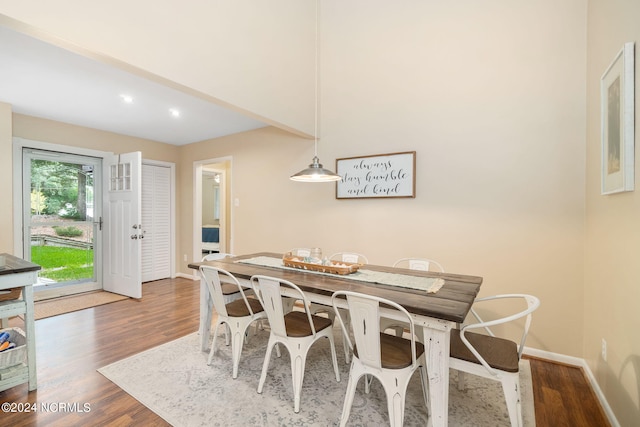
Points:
(213, 344)
(319, 309)
(333, 356)
(347, 351)
(257, 325)
(395, 405)
(345, 345)
(462, 380)
(396, 392)
(425, 387)
(265, 365)
(227, 335)
(209, 315)
(236, 346)
(278, 354)
(511, 389)
(348, 398)
(298, 361)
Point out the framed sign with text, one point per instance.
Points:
(378, 176)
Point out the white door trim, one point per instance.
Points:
(197, 204)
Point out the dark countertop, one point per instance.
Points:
(13, 265)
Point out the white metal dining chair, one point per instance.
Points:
(296, 330)
(319, 308)
(237, 315)
(422, 264)
(351, 257)
(216, 256)
(492, 357)
(417, 264)
(229, 290)
(392, 360)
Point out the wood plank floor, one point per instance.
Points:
(70, 348)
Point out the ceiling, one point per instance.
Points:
(42, 80)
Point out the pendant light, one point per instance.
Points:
(315, 172)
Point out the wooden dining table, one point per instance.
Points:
(434, 314)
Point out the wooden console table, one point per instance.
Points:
(18, 273)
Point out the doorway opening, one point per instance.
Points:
(212, 210)
(62, 213)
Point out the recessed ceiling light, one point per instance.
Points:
(174, 112)
(127, 98)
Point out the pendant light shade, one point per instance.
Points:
(315, 172)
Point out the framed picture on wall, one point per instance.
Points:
(377, 176)
(617, 122)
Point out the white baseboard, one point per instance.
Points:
(188, 276)
(577, 361)
(554, 357)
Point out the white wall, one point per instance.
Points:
(491, 95)
(612, 279)
(6, 175)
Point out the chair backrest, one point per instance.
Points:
(351, 257)
(269, 292)
(216, 256)
(365, 314)
(422, 264)
(212, 277)
(532, 303)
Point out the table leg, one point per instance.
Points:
(206, 309)
(437, 350)
(30, 330)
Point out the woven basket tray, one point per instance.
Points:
(335, 267)
(9, 294)
(16, 355)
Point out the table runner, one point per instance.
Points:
(427, 284)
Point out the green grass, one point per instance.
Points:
(63, 264)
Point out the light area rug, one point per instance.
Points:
(174, 381)
(67, 304)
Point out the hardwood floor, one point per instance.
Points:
(563, 397)
(72, 346)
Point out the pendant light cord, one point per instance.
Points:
(315, 172)
(316, 77)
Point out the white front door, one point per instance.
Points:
(123, 225)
